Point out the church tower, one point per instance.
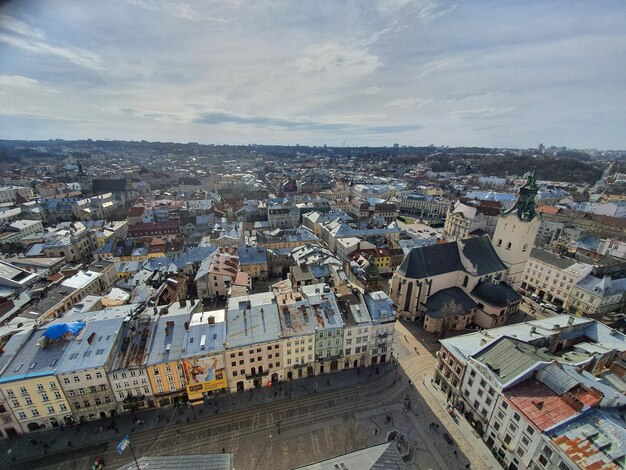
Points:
(516, 231)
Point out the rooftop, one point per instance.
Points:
(252, 319)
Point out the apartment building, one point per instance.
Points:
(463, 221)
(383, 318)
(552, 276)
(204, 360)
(357, 329)
(254, 345)
(329, 334)
(82, 372)
(128, 373)
(164, 365)
(594, 296)
(28, 382)
(216, 274)
(20, 229)
(253, 260)
(298, 329)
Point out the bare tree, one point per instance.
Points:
(449, 311)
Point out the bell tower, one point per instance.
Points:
(516, 231)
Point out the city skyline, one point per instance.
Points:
(412, 72)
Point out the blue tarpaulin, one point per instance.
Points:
(61, 329)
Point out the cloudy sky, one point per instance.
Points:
(416, 72)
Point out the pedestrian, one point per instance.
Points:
(375, 431)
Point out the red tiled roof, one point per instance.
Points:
(539, 404)
(548, 210)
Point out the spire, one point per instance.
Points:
(524, 206)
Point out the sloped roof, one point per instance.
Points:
(473, 255)
(437, 301)
(498, 295)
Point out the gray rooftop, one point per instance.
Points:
(92, 346)
(553, 259)
(508, 358)
(379, 457)
(252, 319)
(296, 317)
(31, 356)
(168, 338)
(178, 462)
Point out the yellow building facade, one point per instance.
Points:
(37, 403)
(168, 382)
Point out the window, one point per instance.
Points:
(44, 397)
(28, 400)
(40, 387)
(76, 378)
(516, 417)
(88, 376)
(98, 375)
(512, 428)
(496, 425)
(57, 395)
(530, 430)
(234, 373)
(34, 412)
(15, 402)
(21, 415)
(525, 441)
(507, 439)
(23, 391)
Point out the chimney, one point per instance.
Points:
(182, 303)
(211, 320)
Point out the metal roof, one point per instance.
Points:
(92, 347)
(168, 338)
(252, 319)
(379, 457)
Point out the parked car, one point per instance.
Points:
(550, 306)
(447, 438)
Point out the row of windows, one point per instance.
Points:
(87, 403)
(28, 400)
(66, 380)
(123, 375)
(251, 351)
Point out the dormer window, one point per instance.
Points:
(508, 246)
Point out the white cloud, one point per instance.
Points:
(174, 8)
(372, 90)
(440, 65)
(480, 113)
(73, 54)
(9, 23)
(407, 103)
(336, 59)
(423, 9)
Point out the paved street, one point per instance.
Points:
(283, 427)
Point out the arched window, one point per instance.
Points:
(499, 242)
(407, 300)
(508, 246)
(525, 247)
(465, 281)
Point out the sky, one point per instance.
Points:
(414, 72)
